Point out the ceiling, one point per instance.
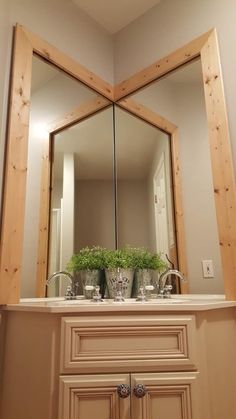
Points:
(113, 15)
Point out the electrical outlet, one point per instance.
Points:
(207, 267)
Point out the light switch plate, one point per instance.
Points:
(207, 268)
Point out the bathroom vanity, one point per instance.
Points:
(80, 360)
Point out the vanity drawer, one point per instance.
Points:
(129, 343)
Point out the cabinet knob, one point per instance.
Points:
(140, 390)
(123, 390)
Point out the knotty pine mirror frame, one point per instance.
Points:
(205, 47)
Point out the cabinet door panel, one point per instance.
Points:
(168, 396)
(91, 396)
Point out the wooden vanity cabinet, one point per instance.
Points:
(68, 365)
(151, 351)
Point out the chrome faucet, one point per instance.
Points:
(70, 291)
(164, 291)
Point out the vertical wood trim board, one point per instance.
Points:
(12, 228)
(221, 159)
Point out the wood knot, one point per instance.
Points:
(216, 190)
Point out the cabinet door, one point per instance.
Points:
(93, 396)
(167, 396)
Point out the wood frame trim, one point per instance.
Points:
(161, 67)
(13, 206)
(76, 115)
(206, 47)
(169, 128)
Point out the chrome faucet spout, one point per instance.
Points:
(163, 289)
(70, 292)
(59, 273)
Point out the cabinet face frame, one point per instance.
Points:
(205, 47)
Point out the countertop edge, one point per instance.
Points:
(122, 308)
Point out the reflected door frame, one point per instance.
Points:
(160, 207)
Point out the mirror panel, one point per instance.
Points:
(179, 97)
(145, 216)
(54, 95)
(82, 197)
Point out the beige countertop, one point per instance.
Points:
(184, 302)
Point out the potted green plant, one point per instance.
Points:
(143, 274)
(87, 266)
(119, 266)
(157, 265)
(148, 266)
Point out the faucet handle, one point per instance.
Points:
(97, 298)
(141, 296)
(167, 291)
(69, 295)
(96, 295)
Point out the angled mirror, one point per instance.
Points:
(57, 100)
(179, 98)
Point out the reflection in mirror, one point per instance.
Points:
(53, 95)
(179, 97)
(82, 198)
(144, 186)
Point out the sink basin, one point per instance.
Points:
(112, 302)
(156, 301)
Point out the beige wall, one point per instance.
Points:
(94, 214)
(132, 213)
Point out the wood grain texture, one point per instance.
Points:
(70, 66)
(79, 113)
(43, 236)
(222, 165)
(12, 229)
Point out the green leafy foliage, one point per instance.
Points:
(121, 258)
(87, 258)
(157, 263)
(127, 257)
